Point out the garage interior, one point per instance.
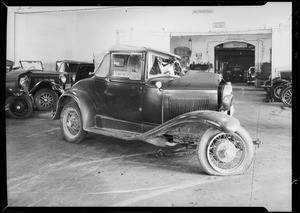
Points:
(228, 58)
(43, 170)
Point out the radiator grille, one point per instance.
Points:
(180, 105)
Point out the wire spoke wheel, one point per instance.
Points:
(71, 123)
(226, 152)
(287, 96)
(45, 99)
(222, 153)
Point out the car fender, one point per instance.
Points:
(46, 84)
(279, 81)
(85, 104)
(218, 120)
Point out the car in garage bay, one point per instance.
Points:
(139, 93)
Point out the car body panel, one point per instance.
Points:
(118, 104)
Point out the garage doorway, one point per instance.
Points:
(233, 60)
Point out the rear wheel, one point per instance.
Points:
(286, 96)
(18, 107)
(71, 123)
(221, 153)
(45, 99)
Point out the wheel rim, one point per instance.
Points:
(226, 152)
(287, 97)
(19, 107)
(71, 122)
(45, 100)
(277, 91)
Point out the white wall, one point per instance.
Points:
(281, 50)
(50, 34)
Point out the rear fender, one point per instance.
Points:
(86, 106)
(218, 120)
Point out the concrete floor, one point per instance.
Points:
(44, 170)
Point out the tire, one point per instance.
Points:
(276, 91)
(214, 142)
(45, 99)
(18, 107)
(286, 96)
(71, 124)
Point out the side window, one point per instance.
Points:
(127, 66)
(103, 69)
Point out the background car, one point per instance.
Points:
(18, 101)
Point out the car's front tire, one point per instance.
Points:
(221, 153)
(45, 99)
(71, 123)
(18, 107)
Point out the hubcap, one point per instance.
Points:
(72, 122)
(19, 107)
(226, 152)
(46, 100)
(277, 91)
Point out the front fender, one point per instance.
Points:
(218, 120)
(85, 104)
(46, 84)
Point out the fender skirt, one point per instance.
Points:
(218, 120)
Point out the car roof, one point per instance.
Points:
(75, 62)
(119, 48)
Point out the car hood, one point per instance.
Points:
(13, 75)
(193, 81)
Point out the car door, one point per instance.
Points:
(125, 89)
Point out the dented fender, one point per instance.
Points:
(218, 120)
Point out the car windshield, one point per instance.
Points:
(67, 67)
(163, 65)
(32, 65)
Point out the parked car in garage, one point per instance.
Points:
(274, 86)
(76, 70)
(18, 101)
(251, 75)
(46, 86)
(235, 73)
(136, 93)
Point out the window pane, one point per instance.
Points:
(103, 69)
(127, 66)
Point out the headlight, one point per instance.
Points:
(24, 82)
(227, 97)
(63, 79)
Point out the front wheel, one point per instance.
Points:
(45, 99)
(221, 153)
(71, 123)
(18, 107)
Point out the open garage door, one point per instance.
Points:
(233, 60)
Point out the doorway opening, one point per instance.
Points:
(233, 59)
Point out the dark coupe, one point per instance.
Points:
(142, 94)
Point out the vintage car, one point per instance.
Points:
(251, 75)
(138, 93)
(274, 86)
(235, 73)
(76, 70)
(46, 86)
(18, 101)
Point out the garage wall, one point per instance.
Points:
(45, 37)
(55, 35)
(205, 44)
